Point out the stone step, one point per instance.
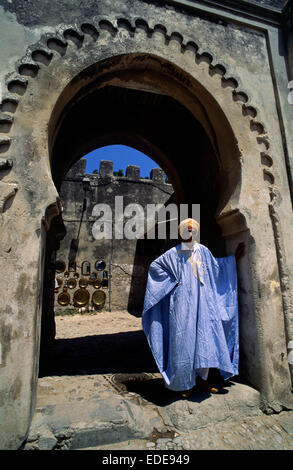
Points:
(88, 412)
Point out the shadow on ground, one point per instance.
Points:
(154, 390)
(127, 357)
(98, 354)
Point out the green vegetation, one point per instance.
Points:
(73, 311)
(67, 311)
(118, 173)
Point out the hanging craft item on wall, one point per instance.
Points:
(76, 275)
(105, 279)
(72, 266)
(100, 265)
(83, 282)
(63, 298)
(71, 283)
(85, 268)
(81, 297)
(60, 266)
(92, 278)
(97, 283)
(59, 281)
(98, 298)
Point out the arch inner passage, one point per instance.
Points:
(166, 131)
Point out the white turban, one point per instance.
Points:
(185, 226)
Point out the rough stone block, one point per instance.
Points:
(133, 172)
(41, 438)
(106, 168)
(77, 169)
(157, 175)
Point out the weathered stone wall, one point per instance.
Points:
(288, 36)
(128, 271)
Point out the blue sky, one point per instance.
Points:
(121, 155)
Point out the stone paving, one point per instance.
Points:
(258, 433)
(90, 396)
(96, 412)
(274, 432)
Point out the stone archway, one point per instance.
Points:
(160, 126)
(121, 52)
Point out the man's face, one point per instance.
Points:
(190, 233)
(188, 230)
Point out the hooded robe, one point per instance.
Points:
(190, 315)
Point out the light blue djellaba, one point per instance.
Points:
(190, 315)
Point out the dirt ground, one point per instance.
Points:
(101, 323)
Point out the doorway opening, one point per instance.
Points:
(162, 128)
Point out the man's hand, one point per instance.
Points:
(240, 251)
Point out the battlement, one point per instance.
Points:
(106, 170)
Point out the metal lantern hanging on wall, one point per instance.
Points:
(85, 268)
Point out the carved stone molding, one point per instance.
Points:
(50, 44)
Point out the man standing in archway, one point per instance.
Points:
(190, 314)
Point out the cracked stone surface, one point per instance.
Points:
(135, 411)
